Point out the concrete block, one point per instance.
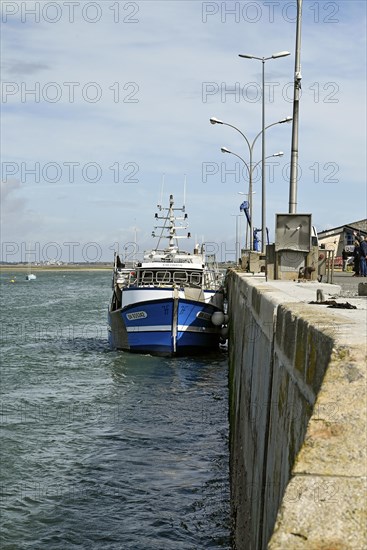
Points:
(335, 515)
(335, 438)
(362, 289)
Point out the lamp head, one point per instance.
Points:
(215, 120)
(280, 54)
(286, 119)
(225, 150)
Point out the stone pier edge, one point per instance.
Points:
(297, 376)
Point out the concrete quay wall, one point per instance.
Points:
(297, 417)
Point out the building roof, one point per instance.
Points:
(360, 226)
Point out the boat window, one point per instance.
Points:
(147, 277)
(163, 276)
(195, 278)
(180, 277)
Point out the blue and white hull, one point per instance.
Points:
(165, 326)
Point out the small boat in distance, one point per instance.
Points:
(30, 276)
(172, 302)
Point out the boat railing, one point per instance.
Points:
(159, 277)
(214, 278)
(147, 278)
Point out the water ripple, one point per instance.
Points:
(105, 450)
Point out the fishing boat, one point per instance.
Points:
(170, 303)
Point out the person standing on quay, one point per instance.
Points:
(356, 256)
(363, 256)
(345, 259)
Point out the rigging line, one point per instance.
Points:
(162, 229)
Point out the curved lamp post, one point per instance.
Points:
(237, 244)
(250, 170)
(250, 146)
(263, 186)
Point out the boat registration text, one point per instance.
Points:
(136, 315)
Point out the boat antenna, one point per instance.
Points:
(162, 186)
(135, 241)
(184, 197)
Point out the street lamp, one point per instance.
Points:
(214, 120)
(296, 99)
(225, 150)
(237, 237)
(263, 186)
(250, 170)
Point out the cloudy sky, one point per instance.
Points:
(102, 100)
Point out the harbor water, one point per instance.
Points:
(103, 449)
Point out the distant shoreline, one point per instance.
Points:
(35, 268)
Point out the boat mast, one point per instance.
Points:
(172, 228)
(170, 225)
